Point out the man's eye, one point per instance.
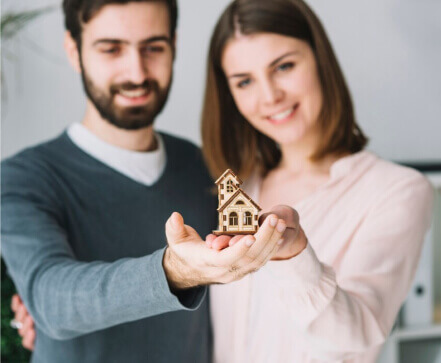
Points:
(113, 50)
(285, 66)
(244, 83)
(153, 49)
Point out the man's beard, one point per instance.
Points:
(127, 118)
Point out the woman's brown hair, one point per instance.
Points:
(229, 141)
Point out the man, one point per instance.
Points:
(83, 214)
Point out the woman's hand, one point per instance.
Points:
(293, 241)
(24, 321)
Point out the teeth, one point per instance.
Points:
(281, 115)
(133, 93)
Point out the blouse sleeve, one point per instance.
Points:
(352, 309)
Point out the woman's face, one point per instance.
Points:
(274, 82)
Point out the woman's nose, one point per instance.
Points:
(270, 92)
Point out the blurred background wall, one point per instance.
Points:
(390, 52)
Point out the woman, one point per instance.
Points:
(278, 112)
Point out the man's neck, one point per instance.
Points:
(135, 140)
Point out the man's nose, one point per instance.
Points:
(136, 68)
(270, 92)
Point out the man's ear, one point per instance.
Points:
(73, 54)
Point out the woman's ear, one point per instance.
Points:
(72, 51)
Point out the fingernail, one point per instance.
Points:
(281, 227)
(280, 241)
(273, 221)
(249, 241)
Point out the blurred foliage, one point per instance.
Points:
(12, 23)
(11, 348)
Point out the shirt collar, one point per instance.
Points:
(143, 167)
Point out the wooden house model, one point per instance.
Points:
(238, 213)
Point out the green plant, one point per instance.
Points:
(11, 348)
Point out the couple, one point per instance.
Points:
(82, 215)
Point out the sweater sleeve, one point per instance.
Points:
(354, 310)
(68, 298)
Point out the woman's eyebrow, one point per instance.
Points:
(275, 61)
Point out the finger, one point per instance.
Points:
(28, 340)
(290, 235)
(270, 247)
(209, 239)
(263, 236)
(15, 302)
(174, 228)
(27, 325)
(221, 242)
(235, 239)
(21, 313)
(229, 256)
(262, 217)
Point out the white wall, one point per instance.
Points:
(389, 50)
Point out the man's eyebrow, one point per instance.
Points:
(157, 38)
(275, 61)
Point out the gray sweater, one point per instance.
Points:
(84, 246)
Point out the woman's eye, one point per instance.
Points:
(244, 83)
(285, 66)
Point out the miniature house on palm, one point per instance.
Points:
(238, 213)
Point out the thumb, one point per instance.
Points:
(175, 229)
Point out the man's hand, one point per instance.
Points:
(293, 241)
(27, 330)
(188, 263)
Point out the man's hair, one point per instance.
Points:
(78, 12)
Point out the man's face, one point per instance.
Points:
(126, 61)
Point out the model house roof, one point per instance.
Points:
(225, 174)
(247, 197)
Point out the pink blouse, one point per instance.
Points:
(338, 299)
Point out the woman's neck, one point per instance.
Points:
(296, 159)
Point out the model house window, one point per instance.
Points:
(233, 219)
(240, 202)
(230, 186)
(247, 219)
